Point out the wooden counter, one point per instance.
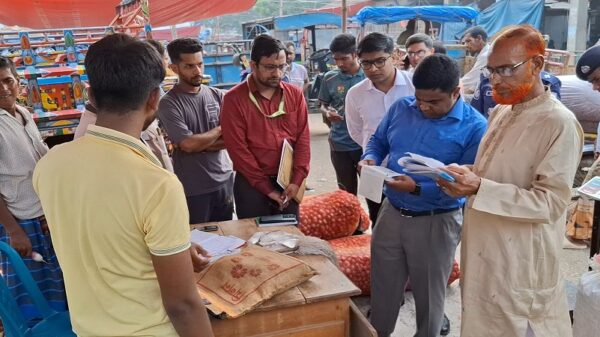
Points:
(319, 307)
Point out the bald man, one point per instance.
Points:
(518, 189)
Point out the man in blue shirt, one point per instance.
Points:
(484, 102)
(418, 227)
(345, 153)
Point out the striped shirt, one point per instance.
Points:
(21, 146)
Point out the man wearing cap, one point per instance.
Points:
(588, 67)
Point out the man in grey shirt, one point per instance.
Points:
(190, 114)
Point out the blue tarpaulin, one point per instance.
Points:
(499, 15)
(300, 21)
(385, 15)
(511, 12)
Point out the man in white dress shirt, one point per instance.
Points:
(369, 100)
(475, 40)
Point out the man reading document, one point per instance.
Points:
(418, 227)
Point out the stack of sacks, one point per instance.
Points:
(354, 256)
(332, 215)
(335, 216)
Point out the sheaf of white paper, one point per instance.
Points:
(216, 245)
(371, 181)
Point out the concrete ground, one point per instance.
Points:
(322, 179)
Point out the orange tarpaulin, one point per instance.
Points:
(41, 14)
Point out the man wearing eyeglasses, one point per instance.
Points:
(190, 114)
(518, 189)
(369, 100)
(345, 152)
(418, 226)
(475, 40)
(418, 47)
(483, 99)
(257, 116)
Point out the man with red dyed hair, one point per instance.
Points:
(518, 190)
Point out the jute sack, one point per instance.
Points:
(238, 283)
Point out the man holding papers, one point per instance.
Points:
(257, 116)
(418, 227)
(519, 190)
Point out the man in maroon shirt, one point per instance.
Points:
(257, 115)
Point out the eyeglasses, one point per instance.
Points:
(271, 67)
(419, 53)
(503, 71)
(280, 110)
(378, 63)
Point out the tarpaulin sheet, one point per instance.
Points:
(299, 21)
(352, 9)
(41, 14)
(511, 12)
(167, 34)
(385, 15)
(501, 14)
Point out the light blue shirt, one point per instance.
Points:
(453, 138)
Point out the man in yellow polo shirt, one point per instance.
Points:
(119, 221)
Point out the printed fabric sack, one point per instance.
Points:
(238, 283)
(354, 256)
(332, 215)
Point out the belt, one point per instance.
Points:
(409, 214)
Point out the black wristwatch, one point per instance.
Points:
(417, 190)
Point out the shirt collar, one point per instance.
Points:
(547, 95)
(484, 51)
(349, 76)
(19, 109)
(398, 81)
(122, 139)
(457, 111)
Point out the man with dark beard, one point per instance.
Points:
(257, 116)
(518, 189)
(190, 114)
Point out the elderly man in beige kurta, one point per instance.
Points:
(514, 219)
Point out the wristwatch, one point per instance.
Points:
(417, 190)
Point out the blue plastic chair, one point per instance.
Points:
(53, 324)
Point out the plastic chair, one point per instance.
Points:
(53, 324)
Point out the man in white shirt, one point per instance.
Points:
(475, 40)
(297, 74)
(369, 100)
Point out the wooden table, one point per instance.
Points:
(319, 307)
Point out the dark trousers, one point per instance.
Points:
(345, 164)
(214, 206)
(250, 203)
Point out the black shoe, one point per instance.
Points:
(445, 326)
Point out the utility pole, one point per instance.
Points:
(344, 15)
(280, 7)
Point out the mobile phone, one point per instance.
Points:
(209, 228)
(279, 218)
